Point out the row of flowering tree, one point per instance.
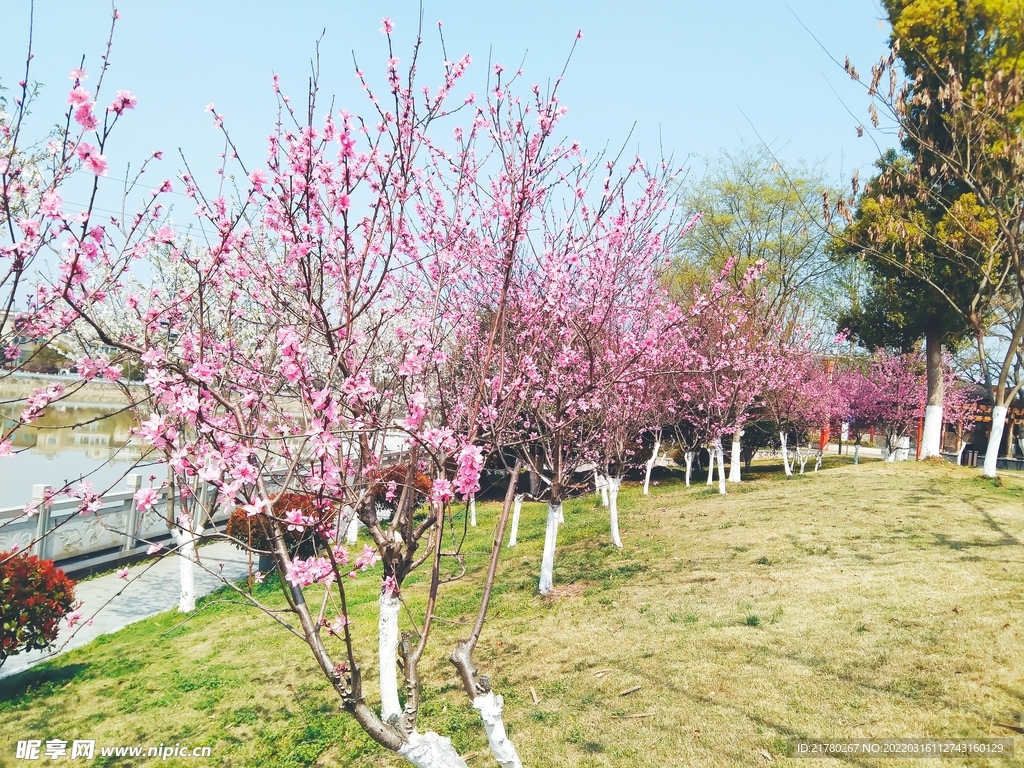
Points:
(377, 295)
(384, 304)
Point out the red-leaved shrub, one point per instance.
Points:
(34, 596)
(254, 531)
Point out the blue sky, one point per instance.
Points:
(694, 77)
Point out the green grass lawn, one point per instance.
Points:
(877, 600)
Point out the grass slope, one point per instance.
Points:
(876, 600)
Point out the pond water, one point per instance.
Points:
(81, 438)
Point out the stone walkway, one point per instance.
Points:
(156, 589)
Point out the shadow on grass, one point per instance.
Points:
(782, 744)
(41, 679)
(1006, 539)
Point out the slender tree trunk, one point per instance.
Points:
(783, 437)
(352, 532)
(856, 451)
(711, 464)
(387, 646)
(613, 499)
(721, 466)
(734, 464)
(961, 444)
(478, 687)
(891, 448)
(513, 536)
(995, 439)
(801, 458)
(547, 563)
(185, 535)
(817, 460)
(186, 541)
(688, 458)
(650, 464)
(490, 705)
(430, 750)
(472, 509)
(931, 436)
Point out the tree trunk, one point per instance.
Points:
(995, 439)
(801, 458)
(856, 451)
(817, 460)
(185, 534)
(960, 445)
(602, 486)
(734, 464)
(547, 563)
(613, 499)
(650, 464)
(711, 464)
(783, 437)
(186, 540)
(387, 638)
(891, 448)
(472, 509)
(513, 536)
(688, 458)
(490, 705)
(721, 466)
(429, 750)
(352, 532)
(931, 437)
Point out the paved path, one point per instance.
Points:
(155, 591)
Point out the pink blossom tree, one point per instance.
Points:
(960, 408)
(587, 318)
(891, 397)
(374, 297)
(732, 361)
(50, 253)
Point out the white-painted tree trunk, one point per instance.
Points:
(650, 465)
(489, 706)
(856, 451)
(931, 434)
(613, 506)
(801, 458)
(517, 508)
(783, 438)
(547, 562)
(186, 570)
(995, 439)
(961, 444)
(734, 466)
(185, 535)
(711, 464)
(721, 466)
(688, 458)
(601, 483)
(387, 647)
(472, 509)
(352, 532)
(431, 750)
(817, 460)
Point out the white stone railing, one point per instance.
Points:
(116, 531)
